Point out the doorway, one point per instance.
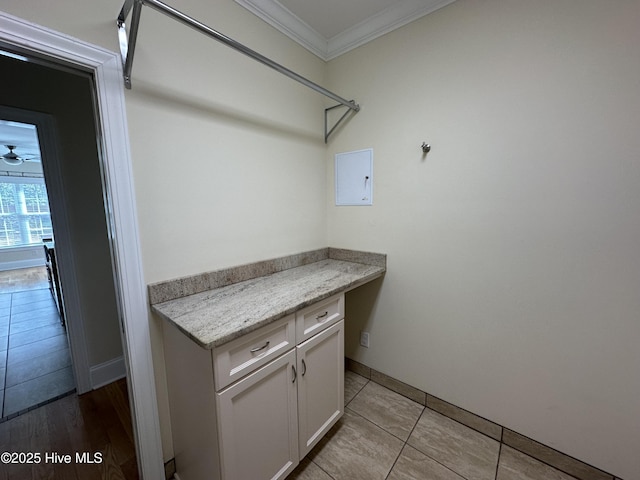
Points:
(60, 103)
(35, 360)
(105, 68)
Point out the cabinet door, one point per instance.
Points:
(257, 420)
(320, 385)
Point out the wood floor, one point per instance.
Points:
(23, 279)
(94, 427)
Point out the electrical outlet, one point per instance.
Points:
(364, 339)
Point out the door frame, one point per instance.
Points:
(106, 68)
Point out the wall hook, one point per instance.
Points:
(426, 148)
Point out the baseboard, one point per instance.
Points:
(107, 372)
(19, 264)
(170, 470)
(537, 450)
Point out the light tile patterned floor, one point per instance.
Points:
(385, 436)
(35, 364)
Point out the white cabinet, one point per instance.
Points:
(320, 385)
(317, 317)
(241, 356)
(257, 418)
(252, 408)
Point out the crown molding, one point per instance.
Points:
(281, 18)
(396, 16)
(402, 13)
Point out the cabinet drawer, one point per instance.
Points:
(239, 357)
(318, 316)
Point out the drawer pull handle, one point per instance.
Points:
(304, 367)
(318, 317)
(257, 349)
(295, 374)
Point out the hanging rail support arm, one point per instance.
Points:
(127, 47)
(328, 131)
(128, 43)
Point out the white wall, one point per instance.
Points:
(242, 144)
(513, 266)
(513, 273)
(228, 154)
(239, 144)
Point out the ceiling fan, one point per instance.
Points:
(12, 158)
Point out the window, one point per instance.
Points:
(24, 212)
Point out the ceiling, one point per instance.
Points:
(25, 139)
(21, 135)
(329, 28)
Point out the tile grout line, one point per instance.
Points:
(406, 442)
(359, 390)
(345, 407)
(395, 461)
(328, 474)
(39, 376)
(499, 455)
(501, 442)
(39, 340)
(4, 418)
(33, 407)
(6, 361)
(545, 462)
(379, 426)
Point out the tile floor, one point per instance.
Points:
(35, 364)
(386, 436)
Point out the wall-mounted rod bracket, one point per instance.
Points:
(328, 131)
(128, 44)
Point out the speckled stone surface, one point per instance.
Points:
(181, 287)
(359, 257)
(214, 317)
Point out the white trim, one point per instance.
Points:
(20, 264)
(20, 179)
(58, 203)
(33, 256)
(107, 372)
(107, 70)
(280, 17)
(399, 14)
(402, 13)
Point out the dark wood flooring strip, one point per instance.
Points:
(97, 424)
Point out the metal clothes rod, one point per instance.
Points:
(127, 49)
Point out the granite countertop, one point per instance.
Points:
(214, 317)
